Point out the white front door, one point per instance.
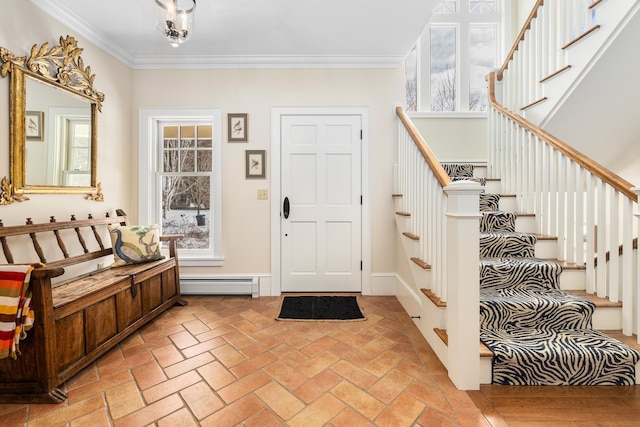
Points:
(320, 182)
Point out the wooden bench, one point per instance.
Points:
(78, 319)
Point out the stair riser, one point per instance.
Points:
(508, 204)
(526, 224)
(546, 249)
(493, 187)
(486, 370)
(572, 280)
(607, 318)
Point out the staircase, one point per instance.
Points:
(538, 333)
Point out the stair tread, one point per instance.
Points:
(442, 334)
(421, 263)
(433, 298)
(599, 302)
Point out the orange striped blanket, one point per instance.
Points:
(16, 317)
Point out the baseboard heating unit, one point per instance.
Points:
(220, 285)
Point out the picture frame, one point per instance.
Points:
(33, 129)
(255, 167)
(237, 127)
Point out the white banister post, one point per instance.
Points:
(637, 261)
(463, 283)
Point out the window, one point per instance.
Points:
(180, 181)
(78, 168)
(459, 47)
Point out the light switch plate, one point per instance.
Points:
(263, 194)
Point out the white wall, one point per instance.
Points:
(23, 25)
(454, 139)
(246, 220)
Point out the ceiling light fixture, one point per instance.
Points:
(175, 19)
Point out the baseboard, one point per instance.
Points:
(220, 285)
(383, 284)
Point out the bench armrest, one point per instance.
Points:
(172, 239)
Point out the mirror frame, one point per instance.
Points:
(62, 68)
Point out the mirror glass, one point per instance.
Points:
(57, 137)
(53, 111)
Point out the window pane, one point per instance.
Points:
(411, 75)
(204, 161)
(482, 59)
(187, 161)
(81, 134)
(205, 132)
(443, 68)
(185, 210)
(170, 161)
(480, 7)
(187, 132)
(446, 6)
(80, 159)
(170, 132)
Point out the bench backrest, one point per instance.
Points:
(82, 228)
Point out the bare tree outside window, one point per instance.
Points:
(411, 73)
(186, 185)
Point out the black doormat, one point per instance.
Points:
(325, 308)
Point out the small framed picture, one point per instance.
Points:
(255, 167)
(237, 127)
(33, 126)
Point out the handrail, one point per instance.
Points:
(616, 182)
(533, 15)
(428, 155)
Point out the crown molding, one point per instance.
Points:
(255, 61)
(68, 18)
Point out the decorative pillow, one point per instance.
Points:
(134, 244)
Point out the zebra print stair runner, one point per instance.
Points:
(538, 333)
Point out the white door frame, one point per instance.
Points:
(276, 114)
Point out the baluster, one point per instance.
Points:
(562, 212)
(570, 215)
(545, 171)
(36, 245)
(553, 194)
(590, 274)
(539, 191)
(614, 245)
(627, 267)
(80, 238)
(5, 247)
(95, 233)
(59, 239)
(601, 241)
(579, 222)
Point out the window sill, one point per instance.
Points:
(447, 114)
(199, 262)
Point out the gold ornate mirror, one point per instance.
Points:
(53, 122)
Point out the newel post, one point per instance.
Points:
(463, 283)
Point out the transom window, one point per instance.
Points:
(459, 47)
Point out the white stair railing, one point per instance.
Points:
(444, 218)
(421, 182)
(550, 29)
(587, 207)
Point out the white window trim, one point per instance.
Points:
(462, 70)
(149, 119)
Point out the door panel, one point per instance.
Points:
(321, 176)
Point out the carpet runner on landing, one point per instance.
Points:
(538, 333)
